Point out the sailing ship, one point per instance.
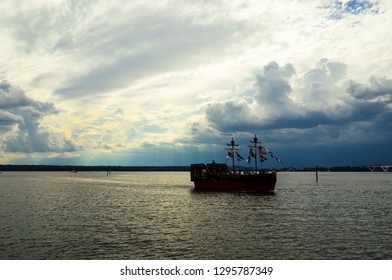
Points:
(219, 177)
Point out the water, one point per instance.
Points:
(158, 215)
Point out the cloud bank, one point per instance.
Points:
(321, 99)
(20, 118)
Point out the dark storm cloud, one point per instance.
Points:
(378, 87)
(20, 117)
(271, 105)
(17, 108)
(8, 118)
(229, 116)
(322, 100)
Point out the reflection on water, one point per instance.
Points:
(158, 215)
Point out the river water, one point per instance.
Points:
(158, 215)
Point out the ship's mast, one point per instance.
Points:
(232, 149)
(254, 148)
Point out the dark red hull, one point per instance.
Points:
(264, 183)
(218, 177)
(234, 187)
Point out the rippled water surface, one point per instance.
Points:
(158, 215)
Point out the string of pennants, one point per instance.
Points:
(263, 152)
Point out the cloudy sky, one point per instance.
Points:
(99, 82)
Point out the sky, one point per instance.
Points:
(118, 82)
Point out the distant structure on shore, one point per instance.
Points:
(384, 168)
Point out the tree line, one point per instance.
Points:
(78, 168)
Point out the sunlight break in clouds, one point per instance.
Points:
(110, 82)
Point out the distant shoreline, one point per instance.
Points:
(81, 168)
